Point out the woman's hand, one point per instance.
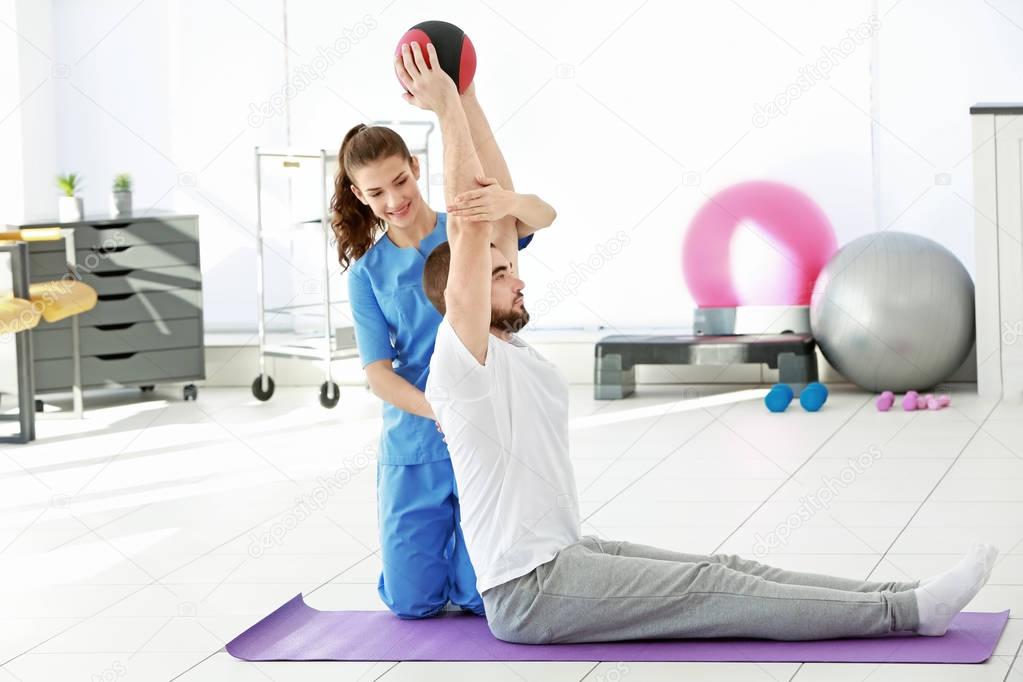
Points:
(428, 87)
(489, 203)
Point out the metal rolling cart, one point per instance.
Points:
(330, 343)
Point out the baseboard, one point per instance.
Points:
(230, 363)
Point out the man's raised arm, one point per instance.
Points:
(467, 296)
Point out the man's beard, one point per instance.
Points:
(510, 320)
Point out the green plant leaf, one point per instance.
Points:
(69, 183)
(122, 182)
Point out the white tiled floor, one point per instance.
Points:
(135, 543)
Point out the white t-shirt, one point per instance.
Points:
(506, 424)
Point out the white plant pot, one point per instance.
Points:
(120, 203)
(70, 209)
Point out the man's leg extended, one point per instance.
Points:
(772, 573)
(586, 595)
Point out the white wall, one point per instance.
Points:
(27, 111)
(625, 118)
(937, 61)
(114, 103)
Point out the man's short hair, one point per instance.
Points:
(435, 275)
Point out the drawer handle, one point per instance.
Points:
(115, 297)
(111, 327)
(114, 356)
(113, 273)
(110, 249)
(110, 226)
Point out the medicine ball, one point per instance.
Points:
(454, 49)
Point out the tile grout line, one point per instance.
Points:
(782, 484)
(339, 573)
(977, 429)
(100, 526)
(396, 663)
(195, 665)
(833, 434)
(642, 475)
(342, 572)
(1013, 662)
(793, 474)
(142, 587)
(713, 419)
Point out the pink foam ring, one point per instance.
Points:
(885, 401)
(910, 401)
(785, 240)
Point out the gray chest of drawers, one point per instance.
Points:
(147, 325)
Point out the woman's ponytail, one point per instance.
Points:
(354, 224)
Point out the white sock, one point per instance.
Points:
(975, 547)
(940, 598)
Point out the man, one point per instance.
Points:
(504, 410)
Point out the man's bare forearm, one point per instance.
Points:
(461, 162)
(467, 295)
(504, 233)
(491, 158)
(532, 214)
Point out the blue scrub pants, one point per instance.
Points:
(425, 560)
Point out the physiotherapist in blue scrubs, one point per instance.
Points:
(425, 563)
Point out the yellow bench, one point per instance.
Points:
(62, 298)
(54, 300)
(51, 301)
(17, 314)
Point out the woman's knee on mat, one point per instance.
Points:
(413, 600)
(412, 609)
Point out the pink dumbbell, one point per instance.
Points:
(885, 402)
(911, 401)
(936, 403)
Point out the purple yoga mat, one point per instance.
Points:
(298, 632)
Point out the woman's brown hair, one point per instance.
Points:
(354, 223)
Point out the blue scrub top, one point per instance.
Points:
(395, 321)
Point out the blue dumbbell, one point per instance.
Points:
(779, 397)
(813, 397)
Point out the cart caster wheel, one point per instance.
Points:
(257, 388)
(148, 388)
(329, 399)
(190, 392)
(39, 405)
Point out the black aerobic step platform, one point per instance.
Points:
(616, 357)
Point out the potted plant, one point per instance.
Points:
(120, 198)
(69, 206)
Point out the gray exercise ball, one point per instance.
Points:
(893, 311)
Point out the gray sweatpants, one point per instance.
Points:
(602, 590)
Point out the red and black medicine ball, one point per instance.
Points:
(455, 52)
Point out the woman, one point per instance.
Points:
(425, 563)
